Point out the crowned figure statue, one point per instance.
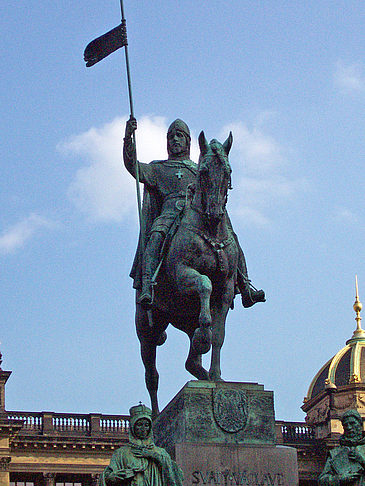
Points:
(141, 462)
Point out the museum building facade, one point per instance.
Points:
(61, 449)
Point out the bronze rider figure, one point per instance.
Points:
(165, 188)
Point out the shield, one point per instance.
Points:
(230, 409)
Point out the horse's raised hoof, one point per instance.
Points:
(162, 338)
(202, 340)
(251, 296)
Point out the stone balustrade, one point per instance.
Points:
(92, 424)
(51, 423)
(294, 433)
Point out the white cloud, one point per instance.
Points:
(259, 152)
(259, 164)
(99, 189)
(262, 192)
(249, 216)
(350, 78)
(17, 235)
(105, 191)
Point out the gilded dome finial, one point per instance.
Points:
(359, 332)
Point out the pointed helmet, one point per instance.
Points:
(179, 125)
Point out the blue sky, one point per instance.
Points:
(288, 78)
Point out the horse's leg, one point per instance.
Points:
(190, 281)
(193, 363)
(218, 332)
(219, 314)
(148, 338)
(148, 354)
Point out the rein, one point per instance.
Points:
(195, 208)
(216, 245)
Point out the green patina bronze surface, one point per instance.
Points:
(217, 413)
(189, 264)
(346, 463)
(141, 462)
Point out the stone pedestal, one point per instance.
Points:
(231, 465)
(223, 433)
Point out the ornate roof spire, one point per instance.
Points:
(359, 332)
(345, 368)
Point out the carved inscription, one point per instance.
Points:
(230, 409)
(237, 478)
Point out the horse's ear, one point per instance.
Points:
(203, 143)
(228, 143)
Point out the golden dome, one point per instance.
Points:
(347, 366)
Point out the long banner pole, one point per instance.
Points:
(133, 135)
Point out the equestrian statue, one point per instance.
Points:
(189, 264)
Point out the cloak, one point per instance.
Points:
(151, 209)
(141, 462)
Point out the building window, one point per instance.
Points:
(21, 483)
(68, 484)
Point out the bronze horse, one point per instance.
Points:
(196, 282)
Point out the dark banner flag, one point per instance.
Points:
(95, 51)
(104, 45)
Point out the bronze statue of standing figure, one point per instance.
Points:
(140, 462)
(346, 463)
(191, 265)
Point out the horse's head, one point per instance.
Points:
(214, 176)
